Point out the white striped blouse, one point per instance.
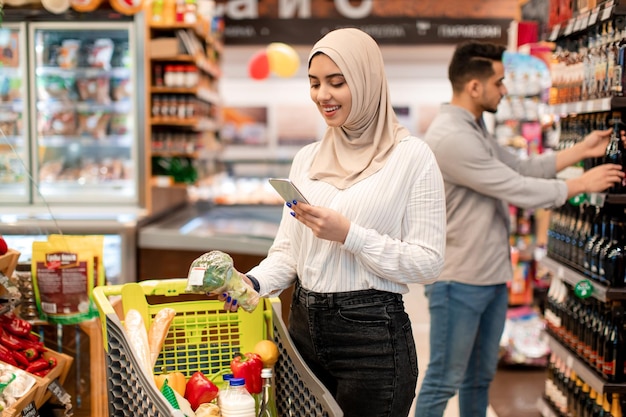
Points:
(397, 231)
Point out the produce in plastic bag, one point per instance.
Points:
(213, 272)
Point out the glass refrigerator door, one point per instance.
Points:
(14, 159)
(84, 107)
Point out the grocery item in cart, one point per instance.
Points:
(213, 272)
(158, 331)
(138, 336)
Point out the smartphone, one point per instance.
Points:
(287, 190)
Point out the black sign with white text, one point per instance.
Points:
(30, 410)
(390, 30)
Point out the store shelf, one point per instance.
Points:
(174, 58)
(546, 409)
(573, 277)
(202, 93)
(86, 72)
(587, 374)
(587, 19)
(589, 106)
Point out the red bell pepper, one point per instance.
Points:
(15, 325)
(38, 365)
(6, 356)
(21, 359)
(31, 353)
(248, 367)
(52, 362)
(200, 390)
(11, 342)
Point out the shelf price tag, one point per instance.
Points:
(62, 396)
(581, 22)
(593, 18)
(555, 32)
(569, 28)
(583, 289)
(608, 9)
(30, 410)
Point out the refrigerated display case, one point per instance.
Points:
(70, 144)
(83, 95)
(14, 147)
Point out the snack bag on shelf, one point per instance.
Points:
(65, 269)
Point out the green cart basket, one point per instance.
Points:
(202, 337)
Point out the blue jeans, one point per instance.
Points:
(360, 345)
(466, 324)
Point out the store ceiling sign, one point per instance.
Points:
(398, 31)
(388, 21)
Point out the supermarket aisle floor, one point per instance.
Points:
(514, 392)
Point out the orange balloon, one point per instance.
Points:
(259, 66)
(284, 60)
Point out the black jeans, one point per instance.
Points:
(361, 347)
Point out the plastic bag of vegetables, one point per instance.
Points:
(213, 272)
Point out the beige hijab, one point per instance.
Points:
(360, 147)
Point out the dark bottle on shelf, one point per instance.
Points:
(590, 403)
(586, 324)
(591, 240)
(613, 366)
(597, 245)
(597, 410)
(575, 322)
(584, 235)
(571, 398)
(583, 317)
(615, 151)
(594, 333)
(606, 406)
(583, 399)
(616, 406)
(601, 123)
(612, 267)
(602, 335)
(578, 236)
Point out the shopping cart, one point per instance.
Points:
(202, 337)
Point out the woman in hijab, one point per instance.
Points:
(375, 223)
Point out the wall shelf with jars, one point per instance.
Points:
(183, 103)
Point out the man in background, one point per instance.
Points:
(468, 303)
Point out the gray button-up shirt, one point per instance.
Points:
(481, 178)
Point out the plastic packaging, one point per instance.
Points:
(236, 401)
(213, 272)
(224, 386)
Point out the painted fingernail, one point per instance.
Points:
(234, 302)
(224, 295)
(293, 214)
(229, 299)
(295, 202)
(289, 204)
